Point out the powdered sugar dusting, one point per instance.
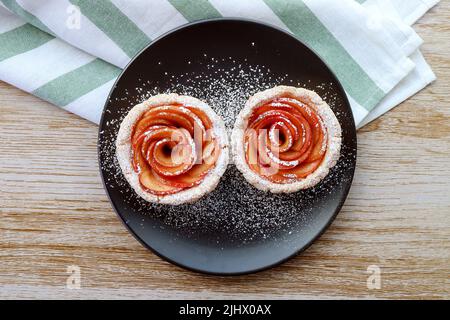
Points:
(235, 211)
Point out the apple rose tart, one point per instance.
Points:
(172, 149)
(286, 139)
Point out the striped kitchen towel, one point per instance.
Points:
(70, 52)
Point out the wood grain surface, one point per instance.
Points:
(54, 212)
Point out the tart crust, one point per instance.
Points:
(124, 152)
(322, 109)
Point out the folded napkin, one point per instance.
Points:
(70, 52)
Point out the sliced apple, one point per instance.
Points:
(280, 137)
(151, 184)
(263, 156)
(147, 135)
(197, 172)
(183, 164)
(307, 112)
(299, 153)
(162, 152)
(171, 181)
(267, 119)
(176, 120)
(195, 175)
(151, 109)
(202, 116)
(276, 178)
(273, 106)
(303, 170)
(138, 160)
(319, 148)
(251, 144)
(179, 115)
(191, 178)
(290, 155)
(147, 123)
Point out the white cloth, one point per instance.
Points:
(370, 44)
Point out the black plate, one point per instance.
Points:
(236, 229)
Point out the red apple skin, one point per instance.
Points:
(151, 184)
(195, 175)
(187, 180)
(308, 148)
(164, 179)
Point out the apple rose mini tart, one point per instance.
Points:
(286, 139)
(172, 149)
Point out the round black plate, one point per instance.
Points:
(236, 229)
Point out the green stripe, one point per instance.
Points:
(116, 25)
(74, 84)
(306, 26)
(195, 10)
(20, 40)
(28, 17)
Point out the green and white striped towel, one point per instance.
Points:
(70, 52)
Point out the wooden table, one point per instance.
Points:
(54, 212)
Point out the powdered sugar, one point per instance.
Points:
(235, 210)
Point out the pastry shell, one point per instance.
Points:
(322, 109)
(124, 152)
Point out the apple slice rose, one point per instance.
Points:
(178, 148)
(286, 139)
